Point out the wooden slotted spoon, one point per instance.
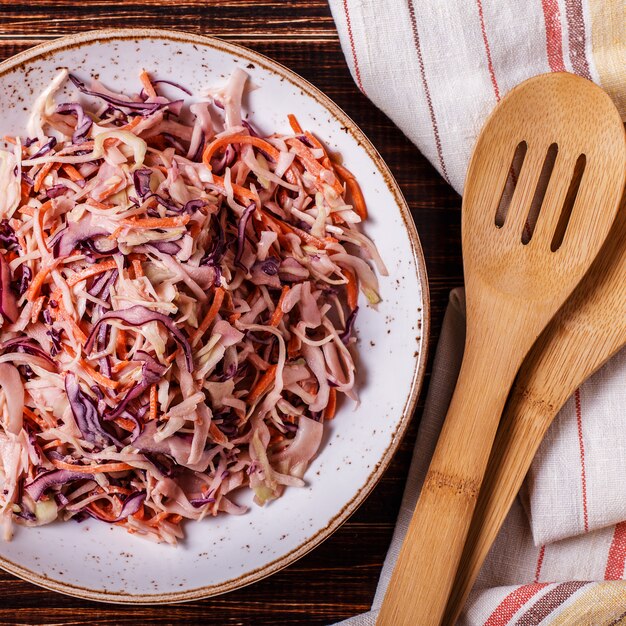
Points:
(583, 335)
(512, 291)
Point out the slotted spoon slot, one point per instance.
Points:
(568, 204)
(540, 193)
(511, 182)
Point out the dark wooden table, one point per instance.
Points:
(339, 578)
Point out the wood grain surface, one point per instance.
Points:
(338, 579)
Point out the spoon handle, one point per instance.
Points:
(588, 330)
(522, 429)
(423, 576)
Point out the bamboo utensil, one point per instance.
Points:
(585, 333)
(513, 289)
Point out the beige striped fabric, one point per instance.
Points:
(437, 68)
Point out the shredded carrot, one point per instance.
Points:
(315, 141)
(233, 317)
(35, 418)
(98, 205)
(92, 469)
(293, 346)
(220, 142)
(37, 306)
(52, 444)
(240, 192)
(41, 175)
(284, 228)
(312, 165)
(228, 301)
(77, 331)
(276, 435)
(140, 514)
(337, 219)
(27, 210)
(25, 190)
(331, 407)
(164, 516)
(326, 162)
(101, 379)
(35, 285)
(41, 215)
(124, 423)
(153, 403)
(352, 289)
(101, 512)
(310, 239)
(10, 256)
(217, 435)
(158, 518)
(116, 368)
(263, 384)
(9, 139)
(115, 489)
(72, 172)
(210, 316)
(295, 125)
(278, 313)
(358, 201)
(156, 222)
(150, 222)
(147, 84)
(120, 344)
(94, 270)
(272, 224)
(111, 189)
(134, 122)
(137, 267)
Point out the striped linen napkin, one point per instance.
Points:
(437, 69)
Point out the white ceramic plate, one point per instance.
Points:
(101, 562)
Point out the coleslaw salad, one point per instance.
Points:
(178, 298)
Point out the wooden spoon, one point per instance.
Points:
(512, 291)
(585, 333)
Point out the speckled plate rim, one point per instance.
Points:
(75, 41)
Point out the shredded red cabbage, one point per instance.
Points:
(53, 478)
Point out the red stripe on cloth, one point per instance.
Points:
(513, 603)
(357, 71)
(554, 35)
(617, 554)
(542, 553)
(577, 38)
(483, 30)
(429, 101)
(581, 445)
